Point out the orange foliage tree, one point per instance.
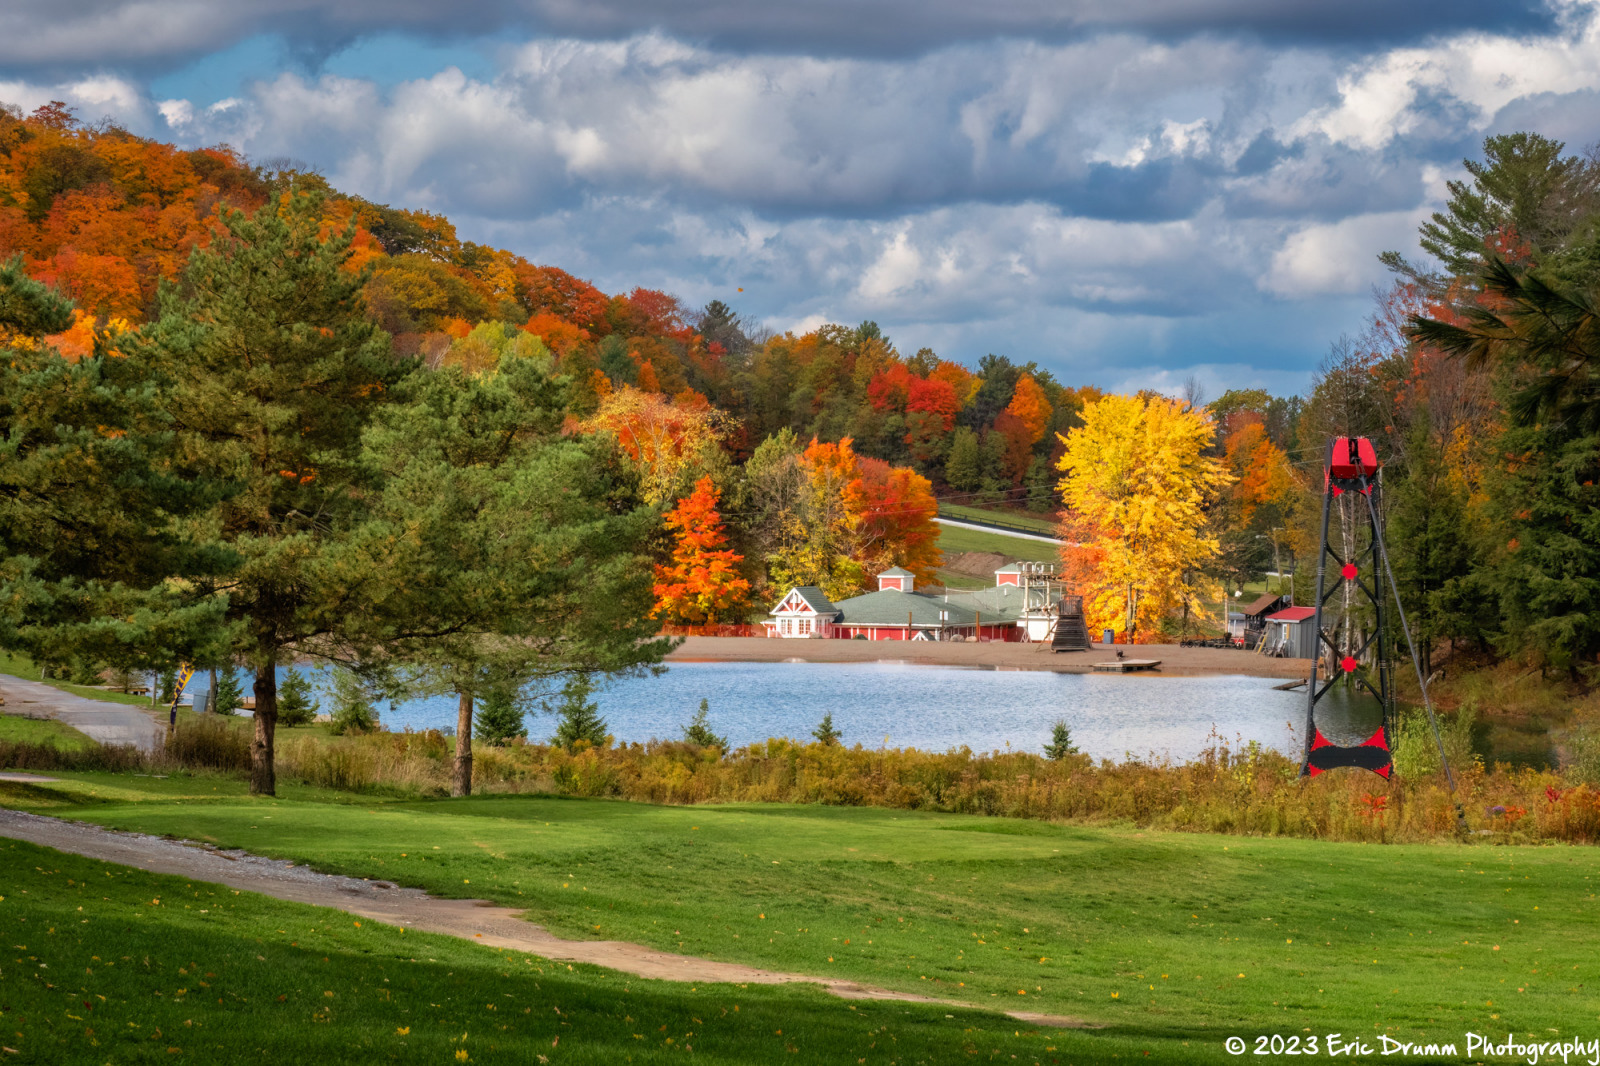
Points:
(893, 517)
(1023, 423)
(702, 584)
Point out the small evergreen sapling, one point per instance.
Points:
(500, 716)
(230, 694)
(1060, 745)
(352, 705)
(295, 705)
(580, 719)
(826, 733)
(698, 731)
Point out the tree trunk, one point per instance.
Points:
(211, 693)
(462, 786)
(263, 771)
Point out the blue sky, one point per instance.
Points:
(1127, 191)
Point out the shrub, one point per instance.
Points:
(295, 705)
(209, 743)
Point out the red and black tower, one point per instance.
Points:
(1351, 630)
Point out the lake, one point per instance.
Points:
(939, 707)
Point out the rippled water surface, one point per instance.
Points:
(936, 708)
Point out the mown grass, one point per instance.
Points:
(15, 728)
(954, 539)
(1181, 937)
(106, 963)
(983, 514)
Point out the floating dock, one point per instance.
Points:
(1126, 666)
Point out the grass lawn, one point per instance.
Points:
(981, 514)
(17, 729)
(1163, 938)
(956, 539)
(111, 964)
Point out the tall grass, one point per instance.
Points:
(1251, 790)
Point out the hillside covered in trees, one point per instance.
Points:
(818, 458)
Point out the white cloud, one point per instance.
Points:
(1339, 257)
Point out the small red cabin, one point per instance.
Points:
(1351, 458)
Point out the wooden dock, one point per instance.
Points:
(1126, 666)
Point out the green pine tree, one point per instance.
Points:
(295, 705)
(525, 546)
(230, 693)
(698, 731)
(826, 733)
(1060, 745)
(353, 697)
(500, 716)
(580, 719)
(90, 531)
(265, 347)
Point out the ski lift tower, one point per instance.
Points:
(1352, 484)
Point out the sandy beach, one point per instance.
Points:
(1175, 660)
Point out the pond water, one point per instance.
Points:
(937, 708)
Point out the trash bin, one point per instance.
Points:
(1108, 636)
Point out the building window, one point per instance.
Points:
(805, 627)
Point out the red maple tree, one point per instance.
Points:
(702, 584)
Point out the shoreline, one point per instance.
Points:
(1175, 661)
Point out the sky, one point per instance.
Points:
(1128, 192)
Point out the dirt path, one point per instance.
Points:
(382, 901)
(109, 723)
(1175, 661)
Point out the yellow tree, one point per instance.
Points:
(674, 442)
(1136, 487)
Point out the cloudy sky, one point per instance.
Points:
(1127, 191)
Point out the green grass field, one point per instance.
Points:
(956, 539)
(112, 964)
(1164, 939)
(982, 514)
(15, 728)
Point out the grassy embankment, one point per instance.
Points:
(1036, 523)
(1172, 942)
(23, 667)
(16, 729)
(953, 539)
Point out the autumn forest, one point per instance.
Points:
(771, 460)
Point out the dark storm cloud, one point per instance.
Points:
(63, 36)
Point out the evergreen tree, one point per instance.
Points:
(524, 547)
(229, 697)
(353, 697)
(1060, 745)
(1524, 190)
(580, 719)
(500, 716)
(92, 504)
(826, 733)
(271, 370)
(698, 731)
(295, 705)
